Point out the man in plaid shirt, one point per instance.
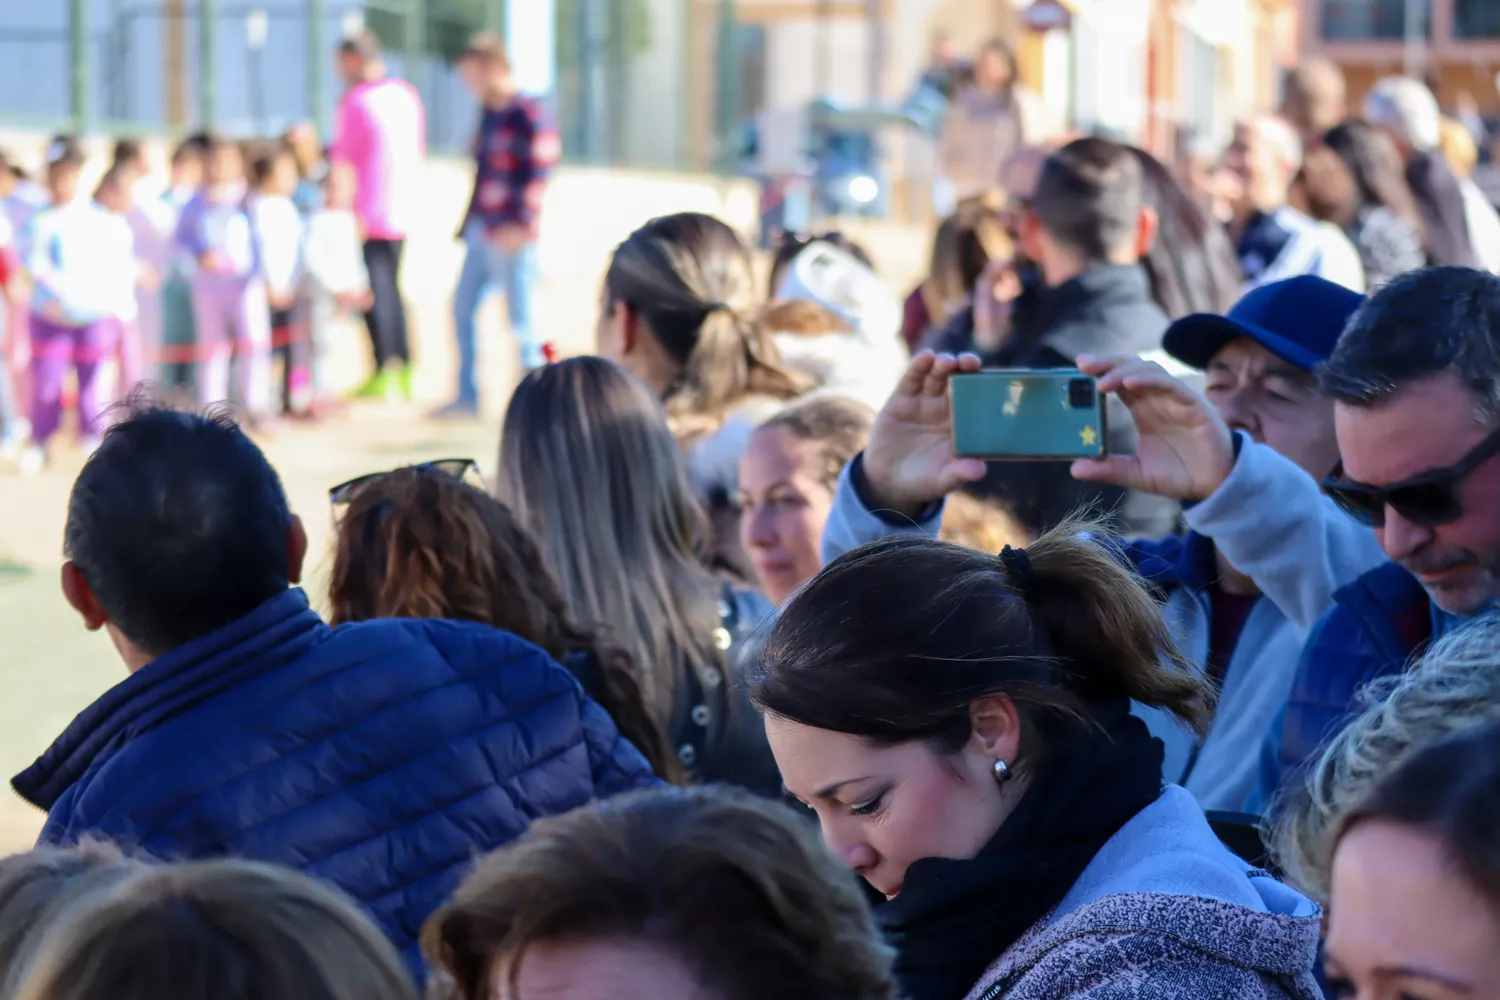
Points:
(514, 152)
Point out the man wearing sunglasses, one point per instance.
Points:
(381, 756)
(1415, 383)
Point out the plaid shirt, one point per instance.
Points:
(515, 150)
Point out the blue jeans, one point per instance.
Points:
(487, 269)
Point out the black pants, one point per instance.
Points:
(387, 317)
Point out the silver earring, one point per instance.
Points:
(1002, 772)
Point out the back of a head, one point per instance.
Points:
(1375, 163)
(179, 526)
(1089, 198)
(216, 930)
(1406, 107)
(1454, 689)
(423, 544)
(589, 464)
(1191, 263)
(690, 279)
(1329, 186)
(418, 543)
(39, 886)
(1315, 96)
(736, 887)
(1418, 325)
(894, 640)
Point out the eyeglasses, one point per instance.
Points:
(457, 468)
(1429, 500)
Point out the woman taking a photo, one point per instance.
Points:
(589, 465)
(419, 542)
(961, 724)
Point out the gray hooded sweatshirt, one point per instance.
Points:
(1165, 912)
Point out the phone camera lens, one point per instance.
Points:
(1081, 393)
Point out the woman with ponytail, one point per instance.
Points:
(679, 311)
(961, 723)
(421, 543)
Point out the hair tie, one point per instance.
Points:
(1018, 566)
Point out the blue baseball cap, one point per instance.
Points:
(1299, 320)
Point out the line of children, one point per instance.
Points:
(184, 287)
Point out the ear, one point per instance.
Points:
(1147, 225)
(997, 727)
(296, 550)
(78, 593)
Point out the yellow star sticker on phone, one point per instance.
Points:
(1089, 436)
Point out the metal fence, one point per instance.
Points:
(622, 70)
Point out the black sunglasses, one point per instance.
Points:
(1429, 500)
(458, 468)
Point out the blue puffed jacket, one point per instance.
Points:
(382, 756)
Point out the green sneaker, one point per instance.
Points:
(382, 385)
(403, 381)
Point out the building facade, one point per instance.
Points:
(1453, 44)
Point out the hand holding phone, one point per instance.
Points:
(909, 460)
(1184, 450)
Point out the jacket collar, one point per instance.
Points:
(263, 640)
(1101, 286)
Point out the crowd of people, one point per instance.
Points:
(732, 679)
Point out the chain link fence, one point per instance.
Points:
(635, 82)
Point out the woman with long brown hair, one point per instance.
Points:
(590, 466)
(421, 543)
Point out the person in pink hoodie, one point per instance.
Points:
(381, 135)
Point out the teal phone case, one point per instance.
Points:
(1026, 413)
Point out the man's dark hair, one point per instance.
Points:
(179, 525)
(1088, 197)
(1418, 325)
(365, 44)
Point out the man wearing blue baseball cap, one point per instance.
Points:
(1245, 585)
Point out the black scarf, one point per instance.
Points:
(952, 919)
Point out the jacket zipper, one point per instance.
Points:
(993, 992)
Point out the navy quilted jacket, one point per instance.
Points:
(1377, 626)
(381, 756)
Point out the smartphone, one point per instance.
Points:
(1030, 413)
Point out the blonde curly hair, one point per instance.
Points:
(1455, 687)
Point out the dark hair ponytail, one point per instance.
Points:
(896, 639)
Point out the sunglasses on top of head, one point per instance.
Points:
(1429, 500)
(456, 468)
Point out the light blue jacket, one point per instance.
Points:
(1165, 910)
(1271, 521)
